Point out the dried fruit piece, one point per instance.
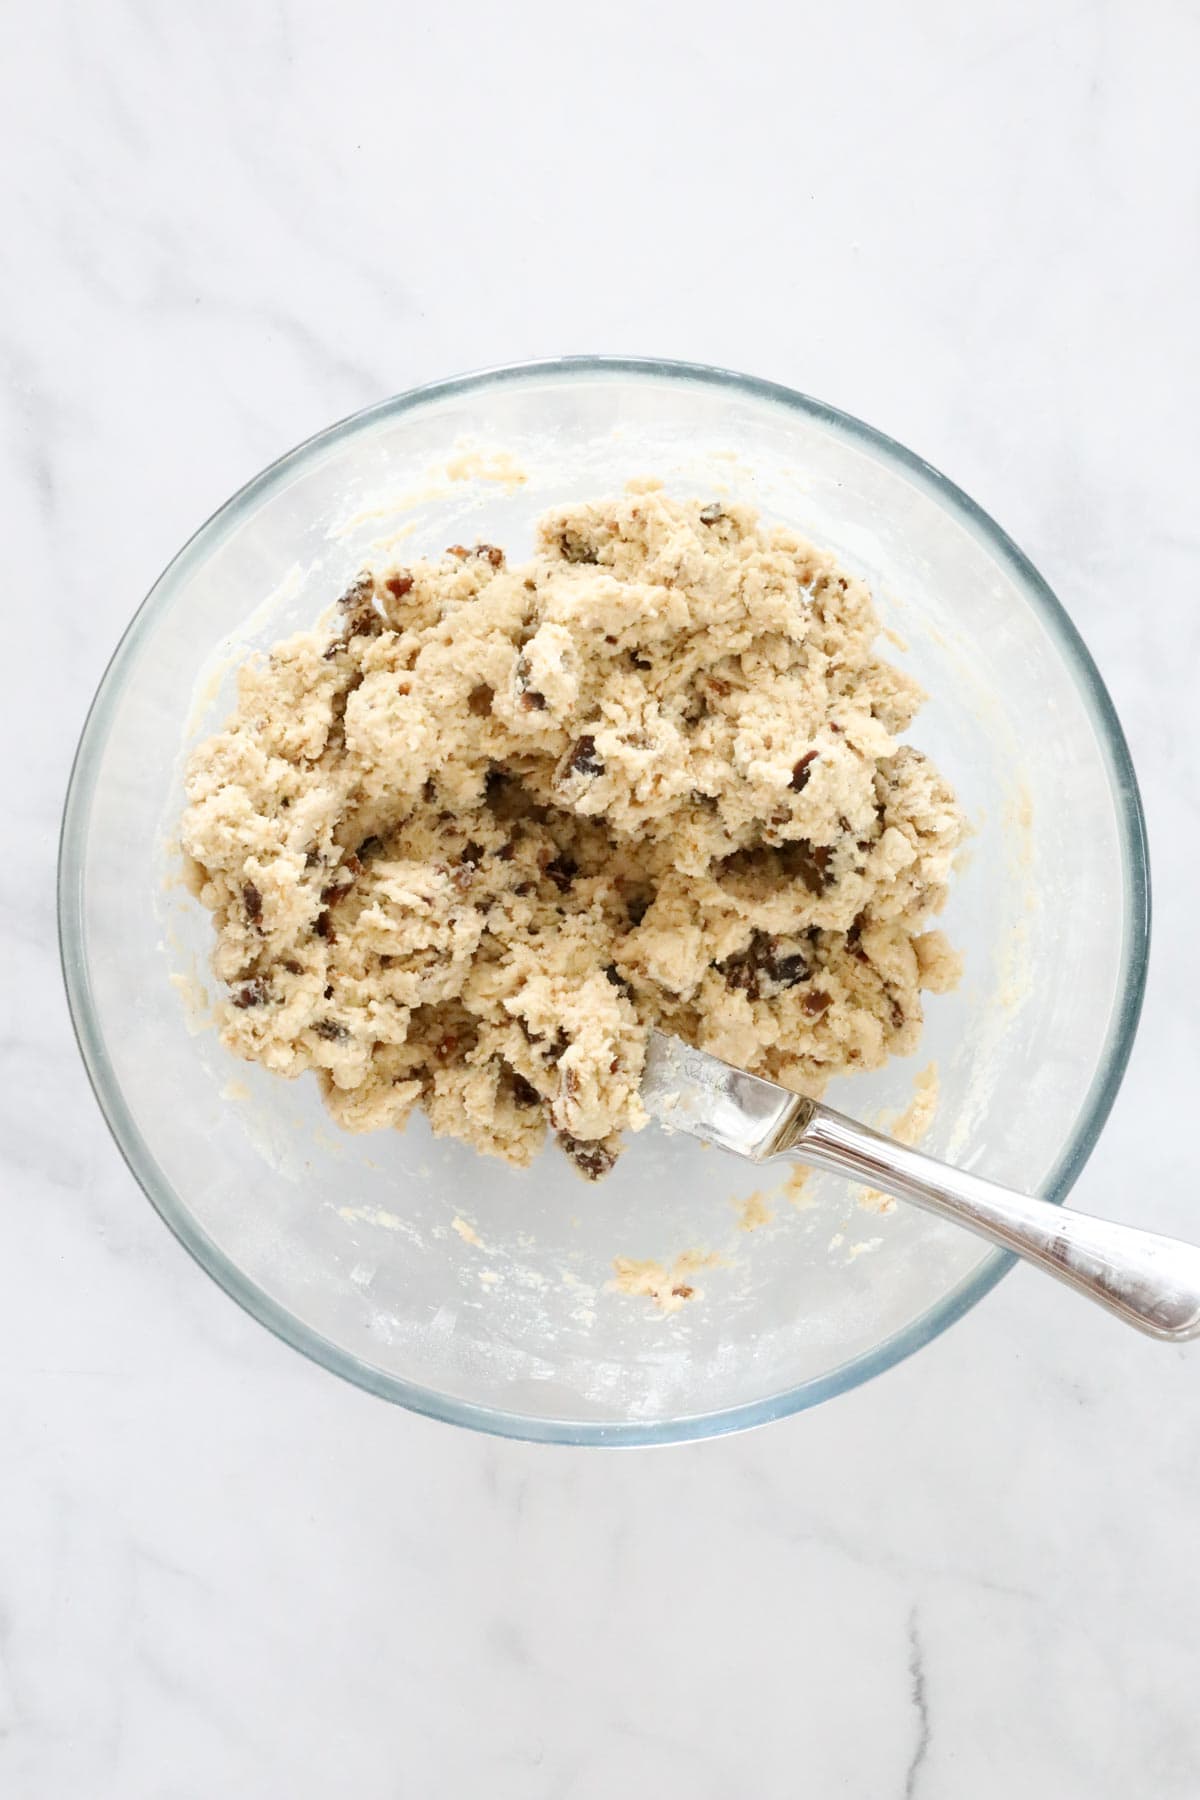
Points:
(816, 1001)
(801, 771)
(764, 967)
(331, 1031)
(528, 698)
(399, 585)
(358, 604)
(583, 759)
(252, 901)
(712, 514)
(252, 994)
(591, 1159)
(562, 872)
(524, 1092)
(811, 866)
(360, 591)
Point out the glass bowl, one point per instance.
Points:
(442, 1280)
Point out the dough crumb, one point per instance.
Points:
(466, 1232)
(669, 1289)
(794, 1189)
(753, 1211)
(464, 847)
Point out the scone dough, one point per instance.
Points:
(464, 847)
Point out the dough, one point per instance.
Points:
(465, 845)
(668, 1288)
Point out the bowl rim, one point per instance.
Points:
(429, 1401)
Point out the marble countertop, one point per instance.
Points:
(221, 1570)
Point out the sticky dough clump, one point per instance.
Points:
(464, 851)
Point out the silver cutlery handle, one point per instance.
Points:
(1149, 1281)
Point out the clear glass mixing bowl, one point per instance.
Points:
(441, 1280)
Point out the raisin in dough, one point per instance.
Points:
(464, 846)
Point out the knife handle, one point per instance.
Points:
(1149, 1281)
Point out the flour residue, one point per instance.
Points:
(485, 465)
(467, 464)
(371, 1215)
(795, 1188)
(197, 1011)
(908, 1128)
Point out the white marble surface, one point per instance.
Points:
(221, 1570)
